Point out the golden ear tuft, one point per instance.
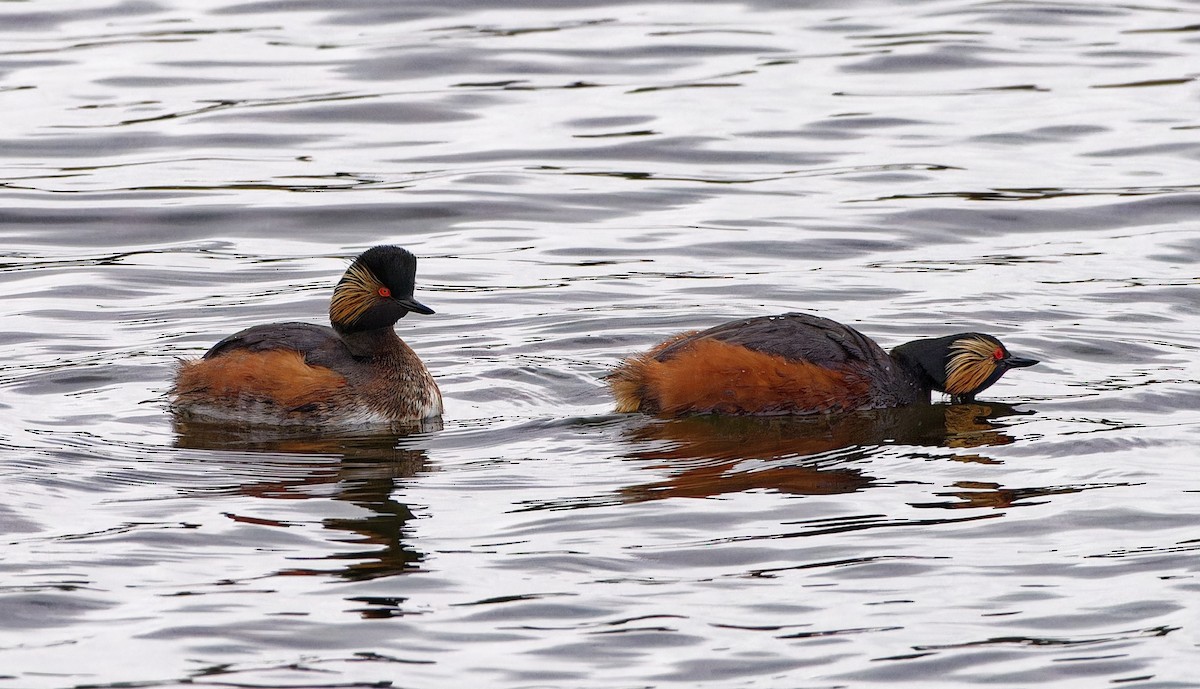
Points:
(972, 361)
(357, 292)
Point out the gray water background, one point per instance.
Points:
(581, 180)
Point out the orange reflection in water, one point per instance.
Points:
(809, 455)
(362, 470)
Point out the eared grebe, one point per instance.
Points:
(798, 363)
(357, 373)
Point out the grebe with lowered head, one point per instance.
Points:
(358, 373)
(797, 363)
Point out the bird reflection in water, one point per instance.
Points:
(361, 470)
(804, 455)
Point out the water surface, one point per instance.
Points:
(579, 181)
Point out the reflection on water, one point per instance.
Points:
(712, 455)
(769, 437)
(806, 455)
(983, 494)
(706, 456)
(361, 470)
(580, 180)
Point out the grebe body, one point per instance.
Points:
(799, 363)
(357, 373)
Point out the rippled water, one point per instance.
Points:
(580, 180)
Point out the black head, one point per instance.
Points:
(376, 291)
(960, 365)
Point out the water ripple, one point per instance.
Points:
(581, 180)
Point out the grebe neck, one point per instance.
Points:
(371, 343)
(914, 372)
(925, 361)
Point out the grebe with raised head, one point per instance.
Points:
(357, 373)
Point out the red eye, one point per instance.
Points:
(998, 354)
(385, 292)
